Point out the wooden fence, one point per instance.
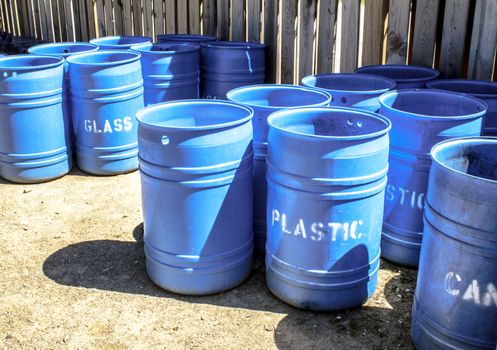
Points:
(303, 36)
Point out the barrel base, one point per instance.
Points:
(320, 296)
(400, 252)
(25, 173)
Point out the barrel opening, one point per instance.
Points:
(348, 82)
(433, 103)
(332, 123)
(400, 72)
(18, 62)
(277, 97)
(479, 160)
(165, 47)
(62, 48)
(466, 86)
(122, 40)
(100, 57)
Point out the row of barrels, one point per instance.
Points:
(337, 177)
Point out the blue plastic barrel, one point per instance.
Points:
(264, 100)
(196, 180)
(352, 90)
(327, 171)
(34, 137)
(170, 71)
(420, 119)
(455, 302)
(406, 76)
(185, 38)
(107, 91)
(226, 65)
(65, 50)
(120, 42)
(484, 90)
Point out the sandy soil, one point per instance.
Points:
(72, 276)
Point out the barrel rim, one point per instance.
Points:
(187, 37)
(372, 76)
(435, 72)
(73, 60)
(59, 61)
(462, 140)
(33, 49)
(189, 47)
(282, 114)
(326, 94)
(434, 117)
(432, 85)
(145, 110)
(101, 41)
(233, 45)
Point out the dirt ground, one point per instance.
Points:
(72, 275)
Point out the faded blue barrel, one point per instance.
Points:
(64, 50)
(327, 170)
(226, 65)
(34, 136)
(170, 71)
(120, 42)
(406, 76)
(106, 91)
(420, 119)
(484, 90)
(196, 180)
(264, 100)
(352, 90)
(185, 38)
(455, 303)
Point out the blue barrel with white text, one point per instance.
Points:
(264, 100)
(420, 119)
(352, 90)
(120, 42)
(405, 76)
(170, 71)
(34, 135)
(327, 170)
(196, 180)
(185, 38)
(455, 302)
(484, 90)
(226, 65)
(107, 91)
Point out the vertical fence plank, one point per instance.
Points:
(56, 21)
(147, 18)
(102, 30)
(182, 16)
(398, 30)
(127, 15)
(237, 23)
(209, 17)
(13, 17)
(90, 16)
(223, 19)
(6, 16)
(483, 40)
(83, 15)
(425, 25)
(349, 43)
(62, 19)
(453, 38)
(286, 42)
(326, 18)
(137, 17)
(194, 16)
(253, 20)
(118, 17)
(20, 12)
(78, 25)
(375, 12)
(109, 20)
(170, 12)
(3, 25)
(158, 17)
(270, 32)
(305, 37)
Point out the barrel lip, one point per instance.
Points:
(437, 85)
(186, 37)
(470, 140)
(141, 114)
(281, 114)
(56, 61)
(432, 73)
(184, 48)
(231, 95)
(392, 82)
(130, 40)
(40, 49)
(77, 59)
(386, 95)
(232, 45)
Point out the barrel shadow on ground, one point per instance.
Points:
(366, 327)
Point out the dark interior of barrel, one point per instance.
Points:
(475, 160)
